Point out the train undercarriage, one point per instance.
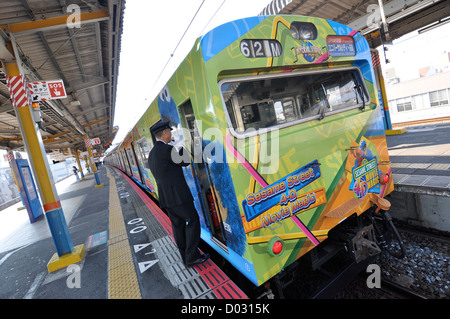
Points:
(349, 249)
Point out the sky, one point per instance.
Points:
(414, 51)
(151, 32)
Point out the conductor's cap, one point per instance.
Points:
(160, 126)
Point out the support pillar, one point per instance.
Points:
(35, 148)
(79, 165)
(87, 164)
(382, 94)
(91, 158)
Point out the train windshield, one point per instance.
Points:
(267, 101)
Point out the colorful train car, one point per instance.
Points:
(282, 118)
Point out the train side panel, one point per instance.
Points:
(312, 187)
(297, 178)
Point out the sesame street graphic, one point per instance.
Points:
(365, 174)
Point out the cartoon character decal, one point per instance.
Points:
(365, 171)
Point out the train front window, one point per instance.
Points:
(267, 101)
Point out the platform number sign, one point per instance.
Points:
(260, 48)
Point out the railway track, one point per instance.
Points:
(422, 274)
(390, 288)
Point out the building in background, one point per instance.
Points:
(424, 98)
(417, 76)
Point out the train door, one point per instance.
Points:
(202, 174)
(121, 162)
(142, 153)
(127, 163)
(139, 164)
(131, 160)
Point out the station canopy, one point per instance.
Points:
(401, 16)
(76, 41)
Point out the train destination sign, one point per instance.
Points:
(341, 45)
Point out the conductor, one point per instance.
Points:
(174, 194)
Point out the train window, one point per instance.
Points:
(143, 151)
(130, 157)
(267, 101)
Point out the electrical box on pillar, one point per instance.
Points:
(36, 113)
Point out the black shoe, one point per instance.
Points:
(199, 260)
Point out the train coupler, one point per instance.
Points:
(363, 244)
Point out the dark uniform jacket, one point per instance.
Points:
(172, 187)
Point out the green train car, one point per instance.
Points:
(282, 118)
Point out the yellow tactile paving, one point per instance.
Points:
(122, 278)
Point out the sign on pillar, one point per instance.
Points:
(47, 90)
(87, 142)
(54, 214)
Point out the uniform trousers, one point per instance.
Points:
(186, 230)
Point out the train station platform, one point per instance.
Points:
(420, 159)
(130, 251)
(420, 163)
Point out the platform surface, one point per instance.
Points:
(420, 158)
(130, 251)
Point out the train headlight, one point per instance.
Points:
(304, 31)
(275, 246)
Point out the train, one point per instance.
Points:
(282, 118)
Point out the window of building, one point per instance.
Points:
(404, 104)
(393, 106)
(438, 97)
(420, 101)
(267, 101)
